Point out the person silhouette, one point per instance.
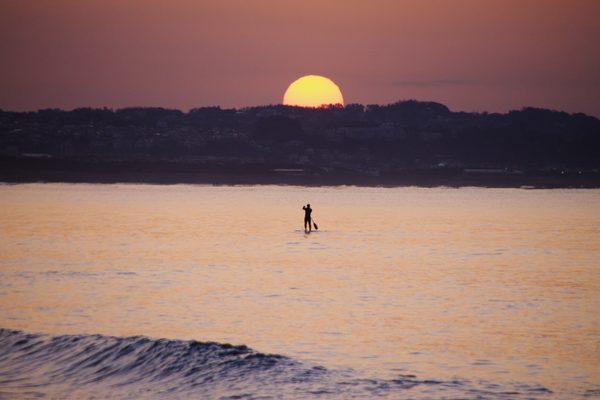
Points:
(307, 219)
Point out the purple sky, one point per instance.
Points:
(472, 55)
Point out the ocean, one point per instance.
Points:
(191, 291)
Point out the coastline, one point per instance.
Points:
(19, 170)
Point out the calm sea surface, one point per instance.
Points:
(401, 293)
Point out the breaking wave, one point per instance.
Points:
(96, 366)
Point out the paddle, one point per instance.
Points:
(315, 225)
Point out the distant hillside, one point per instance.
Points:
(375, 141)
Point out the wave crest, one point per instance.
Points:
(70, 363)
(97, 366)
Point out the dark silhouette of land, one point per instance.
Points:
(406, 143)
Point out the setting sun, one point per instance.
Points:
(312, 91)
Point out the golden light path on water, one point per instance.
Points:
(495, 284)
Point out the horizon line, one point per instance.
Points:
(324, 106)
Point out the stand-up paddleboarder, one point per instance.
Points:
(307, 219)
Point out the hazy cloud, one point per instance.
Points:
(436, 83)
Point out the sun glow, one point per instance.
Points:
(312, 91)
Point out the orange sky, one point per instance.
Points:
(472, 55)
